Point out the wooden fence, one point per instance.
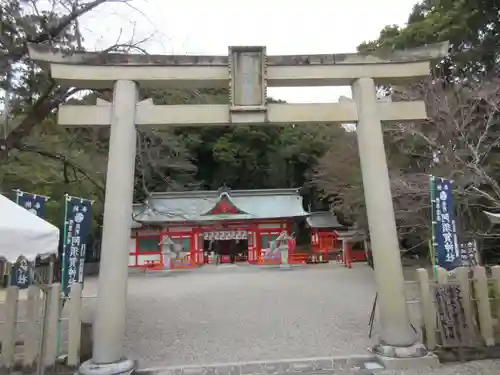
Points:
(25, 341)
(460, 312)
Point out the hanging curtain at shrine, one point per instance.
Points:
(226, 235)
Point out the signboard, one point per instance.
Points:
(21, 274)
(468, 252)
(452, 324)
(76, 230)
(444, 226)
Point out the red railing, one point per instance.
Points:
(294, 258)
(273, 259)
(153, 265)
(175, 264)
(183, 263)
(298, 258)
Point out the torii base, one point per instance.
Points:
(122, 367)
(407, 357)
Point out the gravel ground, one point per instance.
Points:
(234, 314)
(246, 314)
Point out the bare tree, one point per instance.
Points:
(459, 141)
(35, 94)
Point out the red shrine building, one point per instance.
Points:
(324, 226)
(329, 238)
(230, 223)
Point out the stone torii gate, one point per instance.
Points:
(247, 72)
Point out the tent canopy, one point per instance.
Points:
(22, 233)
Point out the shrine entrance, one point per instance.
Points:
(247, 72)
(228, 246)
(226, 251)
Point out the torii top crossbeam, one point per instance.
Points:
(247, 72)
(391, 67)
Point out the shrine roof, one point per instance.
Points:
(217, 205)
(136, 209)
(324, 219)
(352, 235)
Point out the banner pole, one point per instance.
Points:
(432, 242)
(9, 267)
(17, 191)
(63, 268)
(432, 252)
(82, 199)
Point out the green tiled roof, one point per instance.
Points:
(192, 206)
(323, 219)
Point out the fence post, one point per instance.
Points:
(9, 333)
(51, 319)
(428, 309)
(441, 275)
(495, 273)
(483, 305)
(32, 329)
(462, 275)
(75, 324)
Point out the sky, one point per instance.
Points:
(285, 27)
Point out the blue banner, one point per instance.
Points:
(77, 224)
(445, 240)
(32, 202)
(21, 274)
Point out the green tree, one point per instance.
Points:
(35, 154)
(39, 156)
(471, 26)
(460, 139)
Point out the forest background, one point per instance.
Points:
(459, 141)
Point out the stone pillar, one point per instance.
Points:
(344, 253)
(397, 338)
(109, 324)
(284, 258)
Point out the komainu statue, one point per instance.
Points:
(170, 250)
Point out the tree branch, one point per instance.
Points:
(44, 105)
(66, 162)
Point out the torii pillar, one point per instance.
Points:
(247, 71)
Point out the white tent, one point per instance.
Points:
(494, 218)
(22, 233)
